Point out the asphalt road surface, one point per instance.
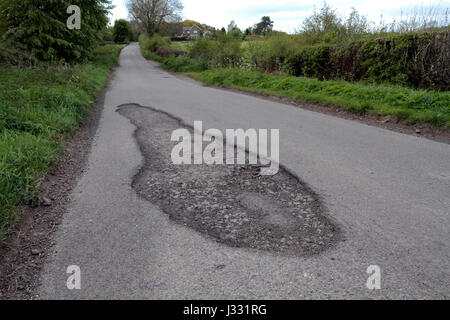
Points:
(388, 194)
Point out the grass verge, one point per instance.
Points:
(179, 64)
(413, 106)
(39, 109)
(403, 104)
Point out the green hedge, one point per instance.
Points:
(415, 60)
(312, 61)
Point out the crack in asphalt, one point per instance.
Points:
(231, 204)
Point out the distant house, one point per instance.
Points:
(195, 32)
(192, 32)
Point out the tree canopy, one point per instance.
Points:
(41, 27)
(150, 14)
(264, 26)
(232, 26)
(121, 31)
(190, 23)
(326, 25)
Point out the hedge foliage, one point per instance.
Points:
(223, 50)
(419, 60)
(152, 43)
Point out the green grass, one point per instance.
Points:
(39, 109)
(413, 106)
(181, 45)
(180, 64)
(404, 104)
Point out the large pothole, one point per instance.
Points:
(232, 204)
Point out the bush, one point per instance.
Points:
(184, 64)
(271, 54)
(204, 49)
(15, 55)
(229, 51)
(167, 52)
(222, 51)
(312, 61)
(151, 43)
(121, 31)
(107, 35)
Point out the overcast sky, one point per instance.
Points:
(286, 14)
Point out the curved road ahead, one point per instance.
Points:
(388, 192)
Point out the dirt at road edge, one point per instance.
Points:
(29, 241)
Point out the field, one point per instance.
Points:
(181, 45)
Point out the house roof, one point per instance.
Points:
(189, 31)
(191, 27)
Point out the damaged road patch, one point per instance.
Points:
(231, 204)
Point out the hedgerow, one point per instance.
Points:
(419, 60)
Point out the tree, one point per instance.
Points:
(323, 25)
(264, 26)
(235, 33)
(150, 14)
(121, 31)
(232, 26)
(3, 25)
(107, 34)
(41, 27)
(171, 29)
(356, 24)
(135, 30)
(190, 23)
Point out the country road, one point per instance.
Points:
(388, 194)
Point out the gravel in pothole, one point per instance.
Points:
(232, 204)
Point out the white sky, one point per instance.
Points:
(286, 14)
